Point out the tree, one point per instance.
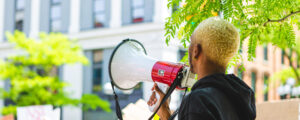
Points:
(33, 73)
(293, 71)
(260, 21)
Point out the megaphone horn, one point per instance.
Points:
(129, 65)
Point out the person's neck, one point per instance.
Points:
(209, 69)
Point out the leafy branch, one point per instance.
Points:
(294, 68)
(250, 17)
(282, 19)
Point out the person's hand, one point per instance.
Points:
(164, 112)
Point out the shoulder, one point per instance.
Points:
(197, 103)
(195, 98)
(202, 94)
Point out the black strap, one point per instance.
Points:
(170, 90)
(177, 110)
(174, 114)
(118, 108)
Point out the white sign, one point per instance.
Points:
(41, 112)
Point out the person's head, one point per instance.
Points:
(213, 43)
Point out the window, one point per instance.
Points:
(19, 16)
(97, 71)
(55, 16)
(282, 56)
(99, 13)
(266, 53)
(240, 73)
(181, 54)
(138, 11)
(253, 80)
(266, 87)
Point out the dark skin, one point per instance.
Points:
(199, 64)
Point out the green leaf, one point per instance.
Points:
(32, 76)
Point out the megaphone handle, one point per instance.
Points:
(163, 88)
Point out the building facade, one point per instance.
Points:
(269, 60)
(99, 25)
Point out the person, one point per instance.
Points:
(216, 95)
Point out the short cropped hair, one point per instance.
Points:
(218, 38)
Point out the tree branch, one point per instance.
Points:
(282, 19)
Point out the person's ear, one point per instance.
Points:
(197, 51)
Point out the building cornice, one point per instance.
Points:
(124, 30)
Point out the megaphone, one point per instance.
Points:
(130, 65)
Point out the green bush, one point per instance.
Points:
(32, 73)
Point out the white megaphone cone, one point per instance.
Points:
(129, 65)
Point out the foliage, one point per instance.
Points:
(292, 71)
(284, 74)
(262, 21)
(32, 73)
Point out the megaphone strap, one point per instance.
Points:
(118, 108)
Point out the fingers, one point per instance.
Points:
(153, 88)
(152, 99)
(156, 88)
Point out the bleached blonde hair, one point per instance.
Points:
(219, 40)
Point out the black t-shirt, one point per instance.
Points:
(219, 97)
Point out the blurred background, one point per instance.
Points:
(98, 26)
